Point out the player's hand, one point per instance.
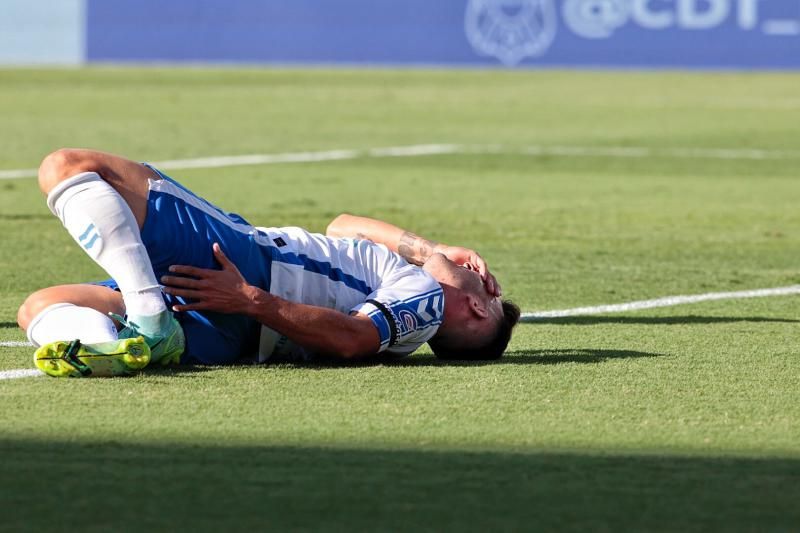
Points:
(472, 260)
(223, 291)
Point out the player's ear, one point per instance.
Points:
(477, 306)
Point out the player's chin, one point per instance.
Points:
(437, 263)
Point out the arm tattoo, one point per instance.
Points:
(414, 248)
(406, 246)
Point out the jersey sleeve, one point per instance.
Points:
(407, 309)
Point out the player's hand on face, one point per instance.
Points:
(224, 291)
(472, 260)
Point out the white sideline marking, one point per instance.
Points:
(672, 153)
(667, 301)
(19, 173)
(532, 317)
(14, 344)
(418, 150)
(257, 159)
(272, 159)
(20, 373)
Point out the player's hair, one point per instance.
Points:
(493, 350)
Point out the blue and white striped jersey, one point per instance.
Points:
(405, 303)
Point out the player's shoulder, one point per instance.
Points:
(412, 279)
(414, 297)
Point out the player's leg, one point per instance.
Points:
(102, 201)
(70, 326)
(64, 311)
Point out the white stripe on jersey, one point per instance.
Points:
(345, 274)
(173, 189)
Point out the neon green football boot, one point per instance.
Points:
(166, 347)
(73, 359)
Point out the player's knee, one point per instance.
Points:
(62, 164)
(35, 304)
(32, 306)
(52, 169)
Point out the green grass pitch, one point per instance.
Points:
(676, 419)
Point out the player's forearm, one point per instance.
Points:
(411, 247)
(318, 329)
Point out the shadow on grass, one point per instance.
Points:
(534, 357)
(192, 371)
(104, 485)
(8, 325)
(514, 357)
(666, 320)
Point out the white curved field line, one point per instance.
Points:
(418, 150)
(668, 301)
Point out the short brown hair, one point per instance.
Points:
(493, 350)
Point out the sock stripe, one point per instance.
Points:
(86, 232)
(101, 222)
(89, 244)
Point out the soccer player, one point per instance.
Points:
(232, 291)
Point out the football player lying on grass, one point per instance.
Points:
(233, 291)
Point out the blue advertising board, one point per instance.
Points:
(516, 33)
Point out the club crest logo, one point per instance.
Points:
(408, 321)
(511, 30)
(596, 19)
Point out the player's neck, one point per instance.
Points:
(453, 298)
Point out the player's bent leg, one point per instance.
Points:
(75, 336)
(97, 297)
(101, 199)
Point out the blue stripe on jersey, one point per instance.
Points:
(319, 267)
(414, 314)
(381, 323)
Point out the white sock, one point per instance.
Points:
(66, 322)
(100, 220)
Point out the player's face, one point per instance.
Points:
(449, 273)
(478, 311)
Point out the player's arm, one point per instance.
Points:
(411, 247)
(319, 329)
